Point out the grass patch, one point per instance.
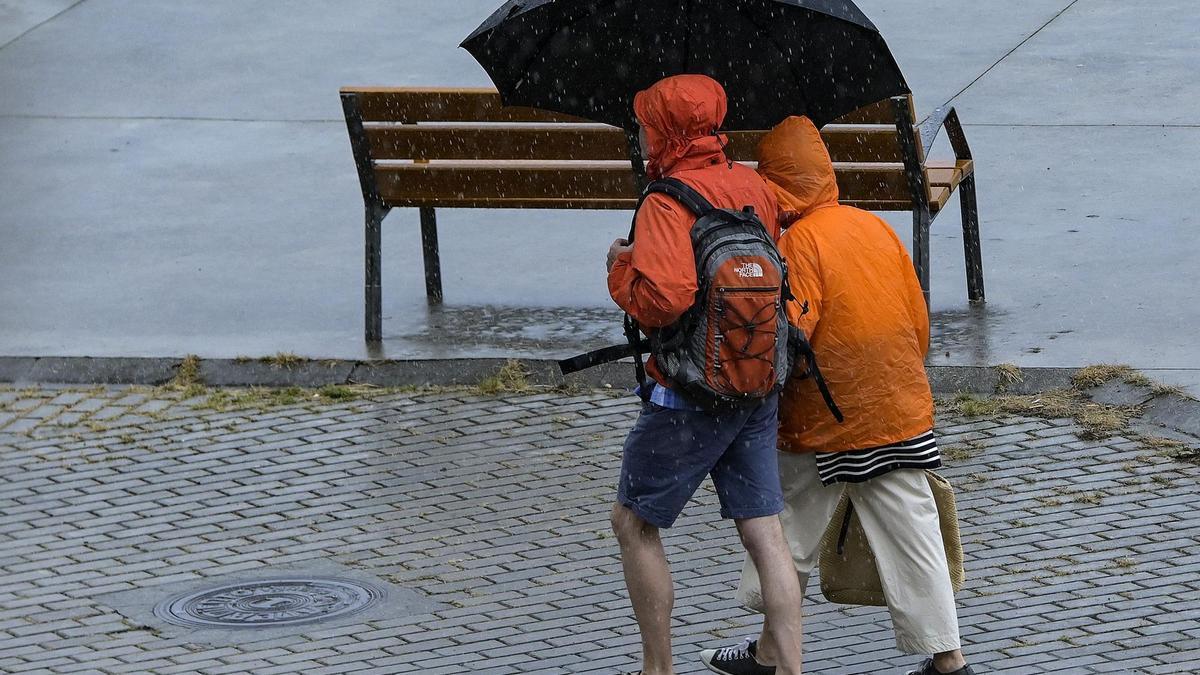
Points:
(265, 398)
(1050, 404)
(255, 398)
(959, 453)
(284, 360)
(339, 392)
(1166, 446)
(1171, 449)
(512, 378)
(1098, 421)
(1093, 498)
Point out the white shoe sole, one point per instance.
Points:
(706, 658)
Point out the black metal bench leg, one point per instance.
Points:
(433, 263)
(374, 285)
(972, 250)
(921, 222)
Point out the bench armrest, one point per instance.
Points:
(946, 117)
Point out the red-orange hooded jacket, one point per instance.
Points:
(656, 282)
(867, 319)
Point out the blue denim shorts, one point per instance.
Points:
(669, 452)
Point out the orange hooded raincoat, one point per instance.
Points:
(867, 318)
(656, 282)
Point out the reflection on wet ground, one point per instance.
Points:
(965, 334)
(451, 331)
(496, 331)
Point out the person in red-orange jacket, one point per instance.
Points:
(674, 443)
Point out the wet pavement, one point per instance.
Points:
(177, 179)
(481, 523)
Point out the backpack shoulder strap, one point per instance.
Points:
(682, 193)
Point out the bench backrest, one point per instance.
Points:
(460, 148)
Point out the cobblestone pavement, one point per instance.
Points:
(1082, 555)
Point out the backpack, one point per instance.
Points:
(734, 346)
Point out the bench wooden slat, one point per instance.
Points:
(881, 112)
(590, 142)
(443, 183)
(863, 143)
(384, 104)
(949, 174)
(939, 195)
(539, 142)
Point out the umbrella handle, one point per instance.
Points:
(639, 169)
(636, 159)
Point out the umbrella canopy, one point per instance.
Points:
(775, 58)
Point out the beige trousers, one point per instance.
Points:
(900, 519)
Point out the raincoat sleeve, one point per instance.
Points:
(656, 283)
(804, 276)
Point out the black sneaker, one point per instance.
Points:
(737, 660)
(926, 668)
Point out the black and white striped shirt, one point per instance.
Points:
(856, 466)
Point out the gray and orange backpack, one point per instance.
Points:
(734, 346)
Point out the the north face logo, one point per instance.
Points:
(750, 270)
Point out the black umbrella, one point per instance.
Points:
(821, 58)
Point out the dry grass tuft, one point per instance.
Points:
(1007, 375)
(1160, 389)
(1171, 449)
(1098, 421)
(284, 360)
(512, 378)
(187, 380)
(1094, 376)
(1051, 404)
(1102, 421)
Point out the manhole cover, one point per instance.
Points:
(269, 603)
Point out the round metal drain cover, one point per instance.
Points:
(269, 603)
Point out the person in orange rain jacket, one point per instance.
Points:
(869, 327)
(675, 444)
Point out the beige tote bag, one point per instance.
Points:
(848, 573)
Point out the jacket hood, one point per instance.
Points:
(681, 116)
(793, 157)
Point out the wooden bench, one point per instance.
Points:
(460, 148)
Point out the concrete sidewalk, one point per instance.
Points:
(486, 519)
(178, 180)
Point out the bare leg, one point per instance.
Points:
(766, 653)
(763, 539)
(648, 579)
(948, 662)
